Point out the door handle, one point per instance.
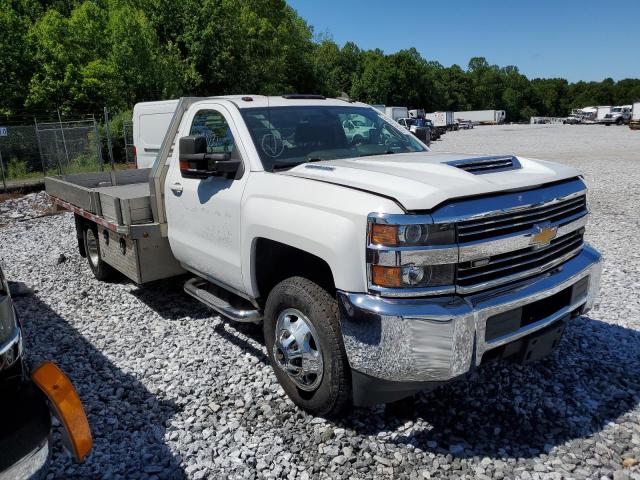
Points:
(176, 188)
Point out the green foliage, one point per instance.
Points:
(84, 162)
(17, 168)
(81, 55)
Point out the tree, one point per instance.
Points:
(79, 55)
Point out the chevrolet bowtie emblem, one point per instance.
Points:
(542, 235)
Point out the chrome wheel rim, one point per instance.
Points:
(92, 248)
(297, 349)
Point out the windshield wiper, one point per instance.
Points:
(285, 165)
(388, 152)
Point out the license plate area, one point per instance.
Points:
(509, 322)
(540, 344)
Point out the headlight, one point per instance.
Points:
(411, 255)
(412, 276)
(412, 234)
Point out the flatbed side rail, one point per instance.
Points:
(114, 227)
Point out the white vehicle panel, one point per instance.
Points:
(421, 181)
(204, 218)
(326, 220)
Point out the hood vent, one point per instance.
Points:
(480, 165)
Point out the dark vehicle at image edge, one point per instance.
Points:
(28, 399)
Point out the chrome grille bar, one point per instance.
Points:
(520, 259)
(563, 212)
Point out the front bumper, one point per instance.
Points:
(25, 427)
(433, 340)
(32, 466)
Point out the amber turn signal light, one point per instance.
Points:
(384, 234)
(390, 277)
(67, 405)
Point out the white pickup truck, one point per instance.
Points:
(378, 268)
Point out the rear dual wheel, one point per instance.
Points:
(101, 270)
(305, 348)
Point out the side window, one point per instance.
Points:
(212, 125)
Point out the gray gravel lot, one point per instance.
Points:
(173, 391)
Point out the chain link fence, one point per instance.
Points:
(69, 147)
(28, 153)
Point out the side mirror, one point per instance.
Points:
(195, 162)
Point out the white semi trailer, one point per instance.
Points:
(482, 117)
(602, 111)
(634, 124)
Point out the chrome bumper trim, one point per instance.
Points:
(29, 467)
(11, 350)
(437, 339)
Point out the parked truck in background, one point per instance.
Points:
(620, 115)
(377, 267)
(481, 117)
(425, 133)
(634, 124)
(443, 121)
(601, 112)
(396, 113)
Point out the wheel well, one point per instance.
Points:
(80, 225)
(275, 261)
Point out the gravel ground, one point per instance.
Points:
(172, 391)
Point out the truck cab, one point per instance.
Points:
(618, 115)
(377, 267)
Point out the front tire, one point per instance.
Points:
(101, 270)
(304, 344)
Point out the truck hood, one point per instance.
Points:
(422, 181)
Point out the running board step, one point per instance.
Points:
(225, 303)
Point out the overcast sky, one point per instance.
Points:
(577, 40)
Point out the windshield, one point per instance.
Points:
(288, 136)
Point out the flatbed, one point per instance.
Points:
(119, 203)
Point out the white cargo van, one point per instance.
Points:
(150, 123)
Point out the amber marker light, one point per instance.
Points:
(382, 234)
(390, 277)
(67, 405)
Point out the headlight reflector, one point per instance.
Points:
(412, 234)
(412, 276)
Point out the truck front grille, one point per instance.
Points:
(559, 212)
(504, 268)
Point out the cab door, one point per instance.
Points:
(203, 215)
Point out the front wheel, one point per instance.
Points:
(305, 348)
